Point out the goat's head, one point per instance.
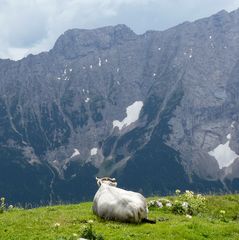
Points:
(106, 180)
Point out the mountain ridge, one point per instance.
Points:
(58, 109)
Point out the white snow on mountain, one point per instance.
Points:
(224, 155)
(132, 112)
(93, 151)
(75, 153)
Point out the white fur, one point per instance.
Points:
(118, 204)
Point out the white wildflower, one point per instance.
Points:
(159, 204)
(189, 193)
(222, 212)
(57, 224)
(151, 203)
(185, 204)
(168, 204)
(177, 191)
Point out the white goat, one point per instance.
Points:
(114, 203)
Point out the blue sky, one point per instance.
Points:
(32, 26)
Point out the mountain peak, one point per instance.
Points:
(79, 42)
(222, 12)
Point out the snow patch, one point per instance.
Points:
(91, 66)
(118, 82)
(223, 154)
(229, 136)
(159, 48)
(93, 151)
(99, 62)
(117, 70)
(59, 78)
(154, 74)
(87, 100)
(132, 112)
(232, 125)
(210, 37)
(75, 153)
(70, 69)
(106, 60)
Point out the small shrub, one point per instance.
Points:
(188, 203)
(235, 217)
(2, 205)
(178, 208)
(160, 203)
(222, 216)
(88, 233)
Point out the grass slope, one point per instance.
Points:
(67, 222)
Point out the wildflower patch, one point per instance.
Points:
(187, 203)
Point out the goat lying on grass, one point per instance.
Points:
(117, 204)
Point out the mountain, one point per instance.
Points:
(158, 111)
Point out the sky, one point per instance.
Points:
(32, 26)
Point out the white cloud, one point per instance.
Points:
(32, 26)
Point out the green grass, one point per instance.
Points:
(67, 222)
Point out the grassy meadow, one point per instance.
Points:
(219, 219)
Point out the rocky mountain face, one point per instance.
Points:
(158, 111)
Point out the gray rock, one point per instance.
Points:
(62, 102)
